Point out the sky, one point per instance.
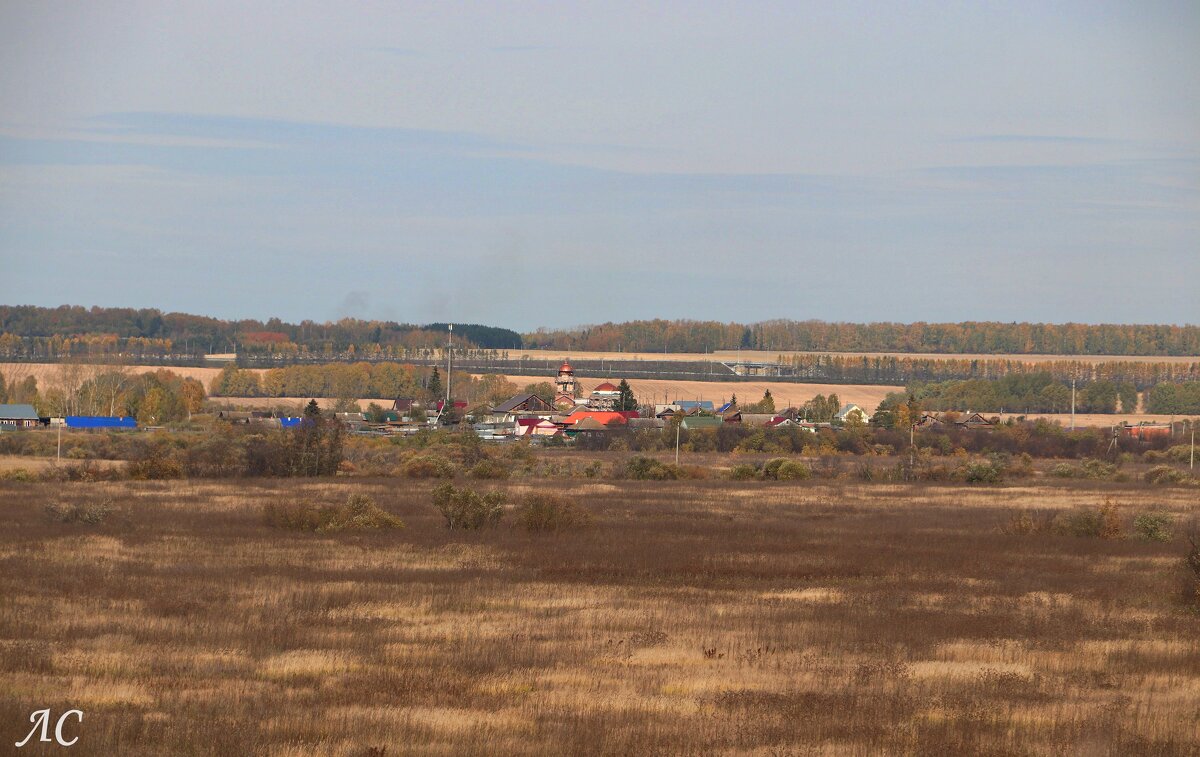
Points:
(558, 164)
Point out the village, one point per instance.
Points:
(565, 416)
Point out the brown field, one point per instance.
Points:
(1096, 419)
(47, 373)
(688, 618)
(34, 464)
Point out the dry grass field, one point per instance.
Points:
(688, 618)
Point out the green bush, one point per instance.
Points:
(1153, 526)
(429, 466)
(1097, 469)
(1099, 523)
(1165, 474)
(360, 513)
(1063, 470)
(982, 472)
(648, 469)
(743, 472)
(792, 470)
(540, 513)
(88, 513)
(488, 470)
(19, 475)
(467, 509)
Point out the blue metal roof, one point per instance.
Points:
(99, 421)
(290, 422)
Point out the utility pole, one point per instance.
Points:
(1192, 459)
(449, 367)
(912, 448)
(677, 425)
(1072, 404)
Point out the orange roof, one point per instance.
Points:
(603, 417)
(605, 387)
(565, 367)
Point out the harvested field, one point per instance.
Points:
(687, 618)
(47, 373)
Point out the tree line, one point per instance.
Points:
(201, 334)
(982, 337)
(153, 397)
(892, 369)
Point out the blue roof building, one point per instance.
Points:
(99, 421)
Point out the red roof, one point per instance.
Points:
(603, 417)
(605, 387)
(629, 414)
(565, 367)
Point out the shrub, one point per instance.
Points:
(539, 513)
(1101, 523)
(1153, 526)
(360, 513)
(1180, 453)
(488, 470)
(648, 469)
(1096, 469)
(1063, 470)
(793, 471)
(1023, 523)
(982, 472)
(1165, 474)
(19, 475)
(743, 472)
(297, 516)
(89, 513)
(468, 509)
(429, 466)
(155, 466)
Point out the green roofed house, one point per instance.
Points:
(695, 422)
(18, 416)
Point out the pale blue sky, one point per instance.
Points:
(547, 164)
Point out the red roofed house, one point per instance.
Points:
(603, 417)
(606, 396)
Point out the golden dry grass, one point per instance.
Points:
(689, 618)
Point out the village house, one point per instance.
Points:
(520, 406)
(605, 396)
(18, 416)
(851, 413)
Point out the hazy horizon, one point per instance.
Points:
(545, 165)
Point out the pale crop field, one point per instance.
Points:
(686, 618)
